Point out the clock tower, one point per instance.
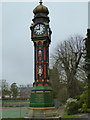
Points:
(41, 99)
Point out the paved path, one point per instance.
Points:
(61, 110)
(85, 116)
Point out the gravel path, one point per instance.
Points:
(85, 116)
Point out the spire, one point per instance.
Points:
(41, 9)
(40, 2)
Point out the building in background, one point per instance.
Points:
(24, 91)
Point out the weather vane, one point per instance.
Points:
(40, 2)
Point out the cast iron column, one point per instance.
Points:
(41, 95)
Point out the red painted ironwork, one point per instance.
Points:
(44, 53)
(34, 84)
(40, 84)
(40, 58)
(45, 71)
(46, 84)
(36, 72)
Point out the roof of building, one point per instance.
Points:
(41, 9)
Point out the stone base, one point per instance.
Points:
(49, 113)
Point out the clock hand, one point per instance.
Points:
(39, 26)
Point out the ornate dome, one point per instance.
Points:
(41, 9)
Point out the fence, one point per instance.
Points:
(14, 108)
(15, 103)
(17, 109)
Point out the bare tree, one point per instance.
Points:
(69, 61)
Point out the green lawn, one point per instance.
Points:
(12, 119)
(76, 116)
(14, 112)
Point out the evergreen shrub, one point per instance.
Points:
(71, 106)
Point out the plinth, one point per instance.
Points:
(48, 113)
(41, 105)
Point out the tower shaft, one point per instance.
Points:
(41, 100)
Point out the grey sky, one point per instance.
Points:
(67, 18)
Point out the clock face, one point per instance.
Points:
(39, 29)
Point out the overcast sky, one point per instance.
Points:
(66, 18)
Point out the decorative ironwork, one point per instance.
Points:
(40, 2)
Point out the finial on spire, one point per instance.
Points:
(40, 2)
